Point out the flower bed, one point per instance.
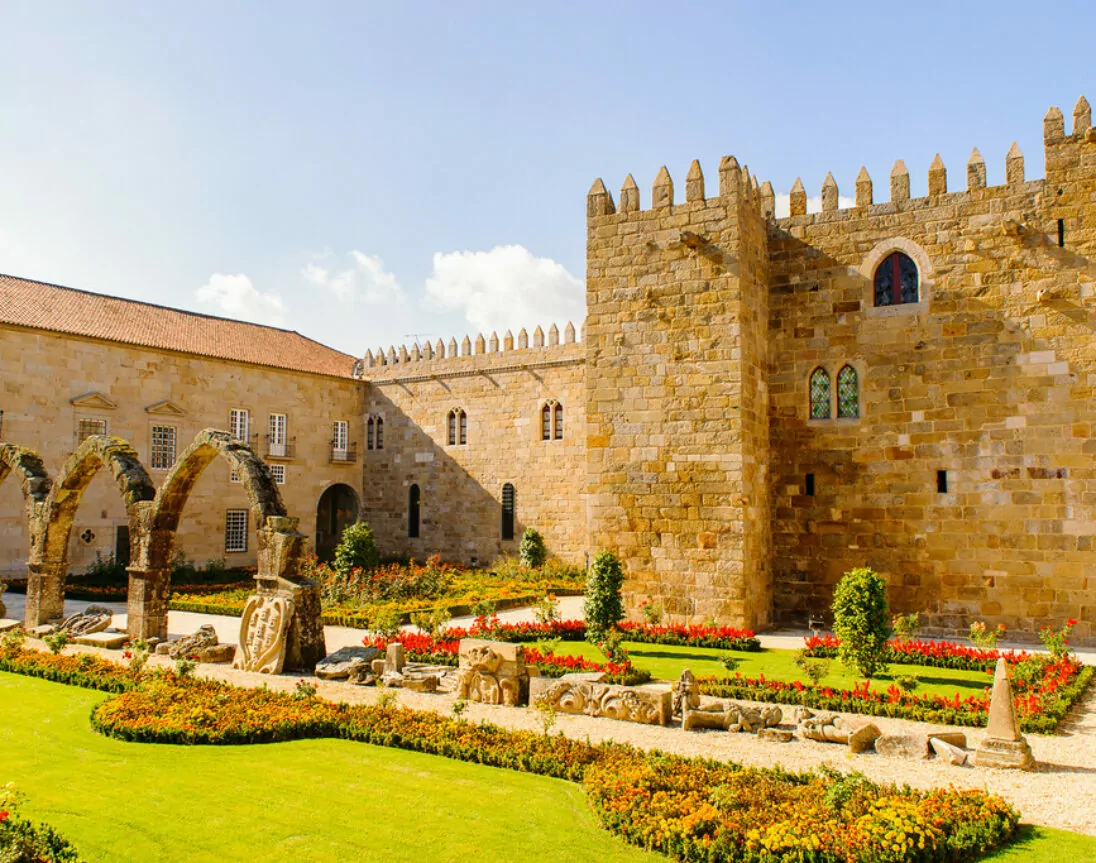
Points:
(1039, 707)
(420, 647)
(690, 809)
(82, 669)
(936, 654)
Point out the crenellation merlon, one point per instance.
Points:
(427, 354)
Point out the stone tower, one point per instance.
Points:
(676, 394)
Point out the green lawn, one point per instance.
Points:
(666, 662)
(307, 800)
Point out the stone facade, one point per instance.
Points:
(133, 389)
(967, 477)
(965, 474)
(502, 392)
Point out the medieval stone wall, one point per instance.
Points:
(50, 381)
(502, 387)
(676, 394)
(989, 378)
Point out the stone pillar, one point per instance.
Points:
(147, 603)
(45, 593)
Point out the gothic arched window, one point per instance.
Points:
(897, 281)
(848, 393)
(820, 394)
(546, 422)
(557, 419)
(380, 433)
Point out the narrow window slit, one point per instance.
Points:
(809, 485)
(942, 482)
(1061, 233)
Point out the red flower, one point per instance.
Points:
(3, 816)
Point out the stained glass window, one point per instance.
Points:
(897, 281)
(820, 395)
(848, 393)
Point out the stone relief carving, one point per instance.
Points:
(491, 672)
(262, 634)
(94, 618)
(601, 699)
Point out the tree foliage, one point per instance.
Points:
(861, 620)
(357, 549)
(532, 551)
(604, 608)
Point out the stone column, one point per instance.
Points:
(147, 603)
(45, 593)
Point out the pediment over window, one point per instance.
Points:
(166, 408)
(95, 401)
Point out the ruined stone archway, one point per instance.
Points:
(209, 444)
(281, 554)
(34, 482)
(51, 521)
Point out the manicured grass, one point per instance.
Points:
(307, 800)
(1044, 845)
(666, 662)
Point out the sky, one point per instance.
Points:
(375, 173)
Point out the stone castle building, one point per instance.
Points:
(756, 405)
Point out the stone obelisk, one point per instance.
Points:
(1003, 745)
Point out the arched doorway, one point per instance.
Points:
(337, 510)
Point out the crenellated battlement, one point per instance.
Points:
(736, 181)
(473, 355)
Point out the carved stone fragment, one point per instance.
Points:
(346, 662)
(262, 634)
(492, 672)
(94, 618)
(601, 699)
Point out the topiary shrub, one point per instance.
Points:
(532, 551)
(603, 607)
(861, 620)
(357, 549)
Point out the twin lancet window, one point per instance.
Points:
(848, 394)
(551, 421)
(458, 427)
(374, 433)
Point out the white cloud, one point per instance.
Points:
(367, 280)
(236, 297)
(814, 205)
(506, 288)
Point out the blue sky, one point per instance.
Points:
(361, 171)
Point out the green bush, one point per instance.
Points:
(532, 551)
(604, 608)
(861, 621)
(104, 572)
(357, 549)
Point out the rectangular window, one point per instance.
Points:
(942, 482)
(809, 485)
(234, 476)
(163, 447)
(340, 439)
(239, 424)
(86, 427)
(278, 423)
(278, 471)
(236, 530)
(1, 425)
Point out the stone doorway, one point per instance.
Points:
(337, 510)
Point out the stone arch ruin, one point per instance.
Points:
(282, 624)
(51, 523)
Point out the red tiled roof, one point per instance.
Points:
(42, 306)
